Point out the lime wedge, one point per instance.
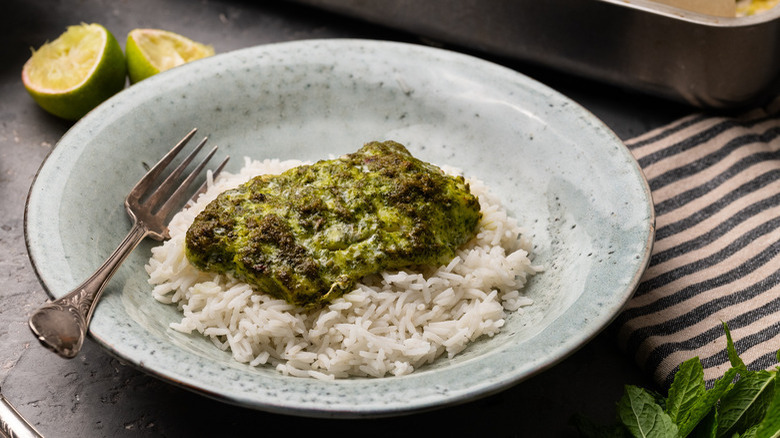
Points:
(150, 51)
(74, 73)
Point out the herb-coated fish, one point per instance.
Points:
(309, 234)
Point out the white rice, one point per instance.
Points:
(390, 324)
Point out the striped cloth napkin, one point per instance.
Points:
(716, 187)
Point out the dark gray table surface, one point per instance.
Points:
(95, 395)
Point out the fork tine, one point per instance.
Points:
(145, 183)
(182, 191)
(214, 174)
(171, 180)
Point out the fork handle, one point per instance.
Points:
(12, 424)
(61, 325)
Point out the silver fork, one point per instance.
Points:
(61, 325)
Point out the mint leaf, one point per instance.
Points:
(707, 427)
(687, 387)
(734, 358)
(748, 407)
(642, 416)
(746, 403)
(706, 403)
(750, 433)
(770, 426)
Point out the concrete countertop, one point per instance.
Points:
(95, 395)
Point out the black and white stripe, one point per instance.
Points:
(716, 189)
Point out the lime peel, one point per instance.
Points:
(76, 72)
(151, 51)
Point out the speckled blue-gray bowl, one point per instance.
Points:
(560, 171)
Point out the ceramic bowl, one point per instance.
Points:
(564, 175)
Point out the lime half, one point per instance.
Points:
(76, 72)
(150, 51)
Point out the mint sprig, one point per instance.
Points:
(741, 404)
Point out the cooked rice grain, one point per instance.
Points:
(390, 324)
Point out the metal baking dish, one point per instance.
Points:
(703, 60)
